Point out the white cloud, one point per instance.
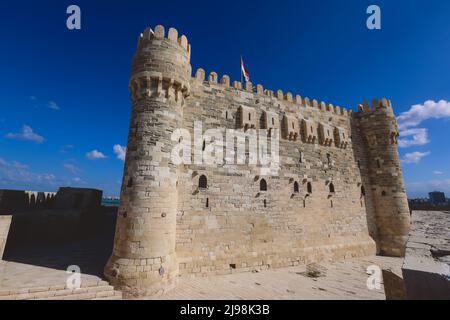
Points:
(53, 105)
(78, 181)
(419, 137)
(120, 151)
(421, 112)
(70, 166)
(95, 154)
(415, 157)
(66, 148)
(438, 172)
(13, 173)
(409, 120)
(27, 134)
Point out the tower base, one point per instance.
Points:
(142, 276)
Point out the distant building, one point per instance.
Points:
(437, 198)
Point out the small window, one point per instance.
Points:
(273, 121)
(331, 203)
(331, 187)
(226, 114)
(302, 158)
(249, 116)
(363, 191)
(207, 202)
(204, 145)
(359, 164)
(265, 203)
(130, 183)
(378, 163)
(296, 188)
(329, 158)
(203, 182)
(309, 187)
(292, 125)
(383, 193)
(263, 185)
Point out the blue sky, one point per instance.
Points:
(64, 100)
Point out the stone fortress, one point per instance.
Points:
(339, 192)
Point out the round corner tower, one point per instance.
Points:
(378, 127)
(143, 260)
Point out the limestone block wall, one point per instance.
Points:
(5, 222)
(231, 224)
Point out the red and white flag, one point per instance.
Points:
(244, 71)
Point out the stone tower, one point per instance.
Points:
(144, 259)
(378, 127)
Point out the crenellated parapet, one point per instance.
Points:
(288, 98)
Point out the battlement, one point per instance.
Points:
(376, 104)
(160, 33)
(288, 98)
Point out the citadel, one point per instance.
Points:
(338, 193)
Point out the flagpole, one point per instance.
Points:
(240, 68)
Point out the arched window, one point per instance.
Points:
(331, 187)
(263, 185)
(296, 188)
(309, 187)
(203, 182)
(383, 193)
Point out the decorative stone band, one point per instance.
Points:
(154, 84)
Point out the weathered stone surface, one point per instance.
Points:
(426, 268)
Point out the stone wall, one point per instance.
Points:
(5, 222)
(77, 198)
(233, 225)
(12, 201)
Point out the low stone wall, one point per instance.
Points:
(5, 222)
